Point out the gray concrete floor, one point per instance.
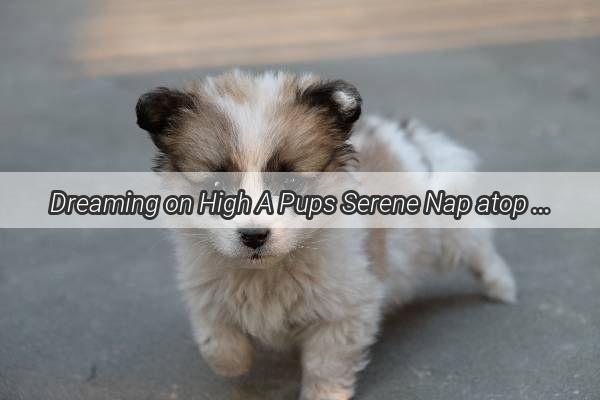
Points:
(94, 314)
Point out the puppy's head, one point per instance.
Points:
(241, 122)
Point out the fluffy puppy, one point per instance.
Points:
(324, 291)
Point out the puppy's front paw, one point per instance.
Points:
(499, 284)
(326, 392)
(228, 356)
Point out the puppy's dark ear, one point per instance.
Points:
(159, 108)
(339, 98)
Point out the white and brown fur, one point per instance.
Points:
(323, 291)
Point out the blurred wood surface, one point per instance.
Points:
(120, 37)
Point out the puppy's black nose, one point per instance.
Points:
(254, 237)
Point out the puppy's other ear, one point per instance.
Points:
(339, 98)
(158, 109)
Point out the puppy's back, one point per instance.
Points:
(386, 146)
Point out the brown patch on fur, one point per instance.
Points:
(305, 140)
(308, 138)
(235, 85)
(202, 140)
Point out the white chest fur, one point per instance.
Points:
(275, 305)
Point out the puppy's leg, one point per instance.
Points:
(332, 354)
(478, 251)
(224, 348)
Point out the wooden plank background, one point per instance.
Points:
(125, 36)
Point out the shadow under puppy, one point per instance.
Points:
(323, 290)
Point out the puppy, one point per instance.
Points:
(324, 291)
